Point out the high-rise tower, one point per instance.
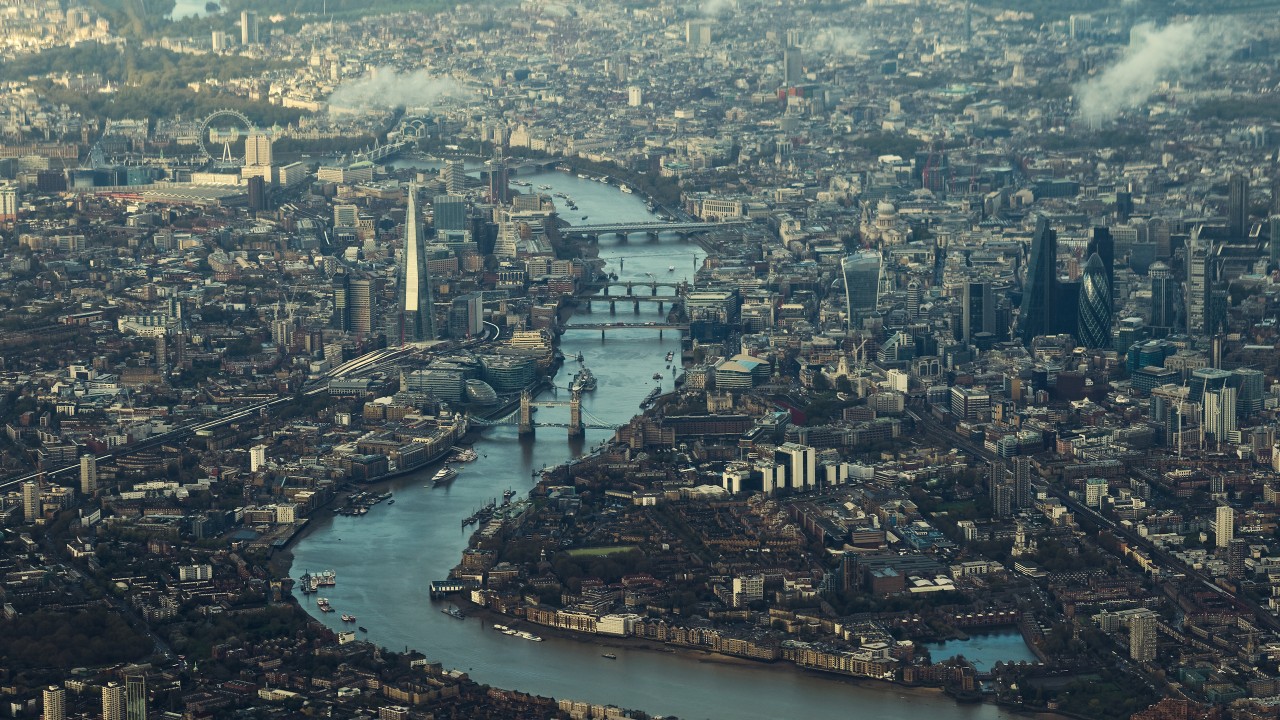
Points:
(248, 27)
(1163, 294)
(1039, 287)
(861, 285)
(417, 316)
(1104, 245)
(1238, 205)
(1095, 305)
(978, 310)
(1199, 281)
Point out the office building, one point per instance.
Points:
(454, 175)
(1164, 294)
(635, 96)
(792, 66)
(135, 692)
(88, 474)
(915, 295)
(799, 465)
(417, 306)
(360, 307)
(1040, 285)
(1250, 385)
(466, 315)
(978, 308)
(1238, 205)
(1094, 305)
(346, 216)
(861, 273)
(248, 27)
(450, 213)
(8, 203)
(257, 149)
(1200, 249)
(1142, 635)
(1104, 245)
(113, 701)
(499, 186)
(1224, 526)
(341, 318)
(1219, 416)
(55, 703)
(697, 33)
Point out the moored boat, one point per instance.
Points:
(443, 475)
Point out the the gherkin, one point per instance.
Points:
(1095, 305)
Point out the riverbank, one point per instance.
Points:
(488, 617)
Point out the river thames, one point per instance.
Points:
(385, 560)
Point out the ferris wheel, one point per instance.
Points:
(225, 128)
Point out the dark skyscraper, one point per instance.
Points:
(341, 319)
(1039, 286)
(360, 307)
(417, 306)
(1105, 246)
(1095, 305)
(1238, 205)
(979, 308)
(257, 194)
(450, 213)
(499, 187)
(1164, 291)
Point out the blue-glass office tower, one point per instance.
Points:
(1094, 305)
(1039, 285)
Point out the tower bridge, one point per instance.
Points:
(522, 416)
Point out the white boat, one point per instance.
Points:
(443, 475)
(671, 268)
(625, 189)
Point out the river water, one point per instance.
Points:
(386, 559)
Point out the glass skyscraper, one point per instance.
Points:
(417, 306)
(1095, 305)
(861, 272)
(1039, 287)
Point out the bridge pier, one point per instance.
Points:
(576, 430)
(588, 306)
(636, 306)
(660, 303)
(653, 288)
(613, 308)
(601, 334)
(659, 330)
(629, 289)
(653, 235)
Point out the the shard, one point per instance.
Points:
(417, 319)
